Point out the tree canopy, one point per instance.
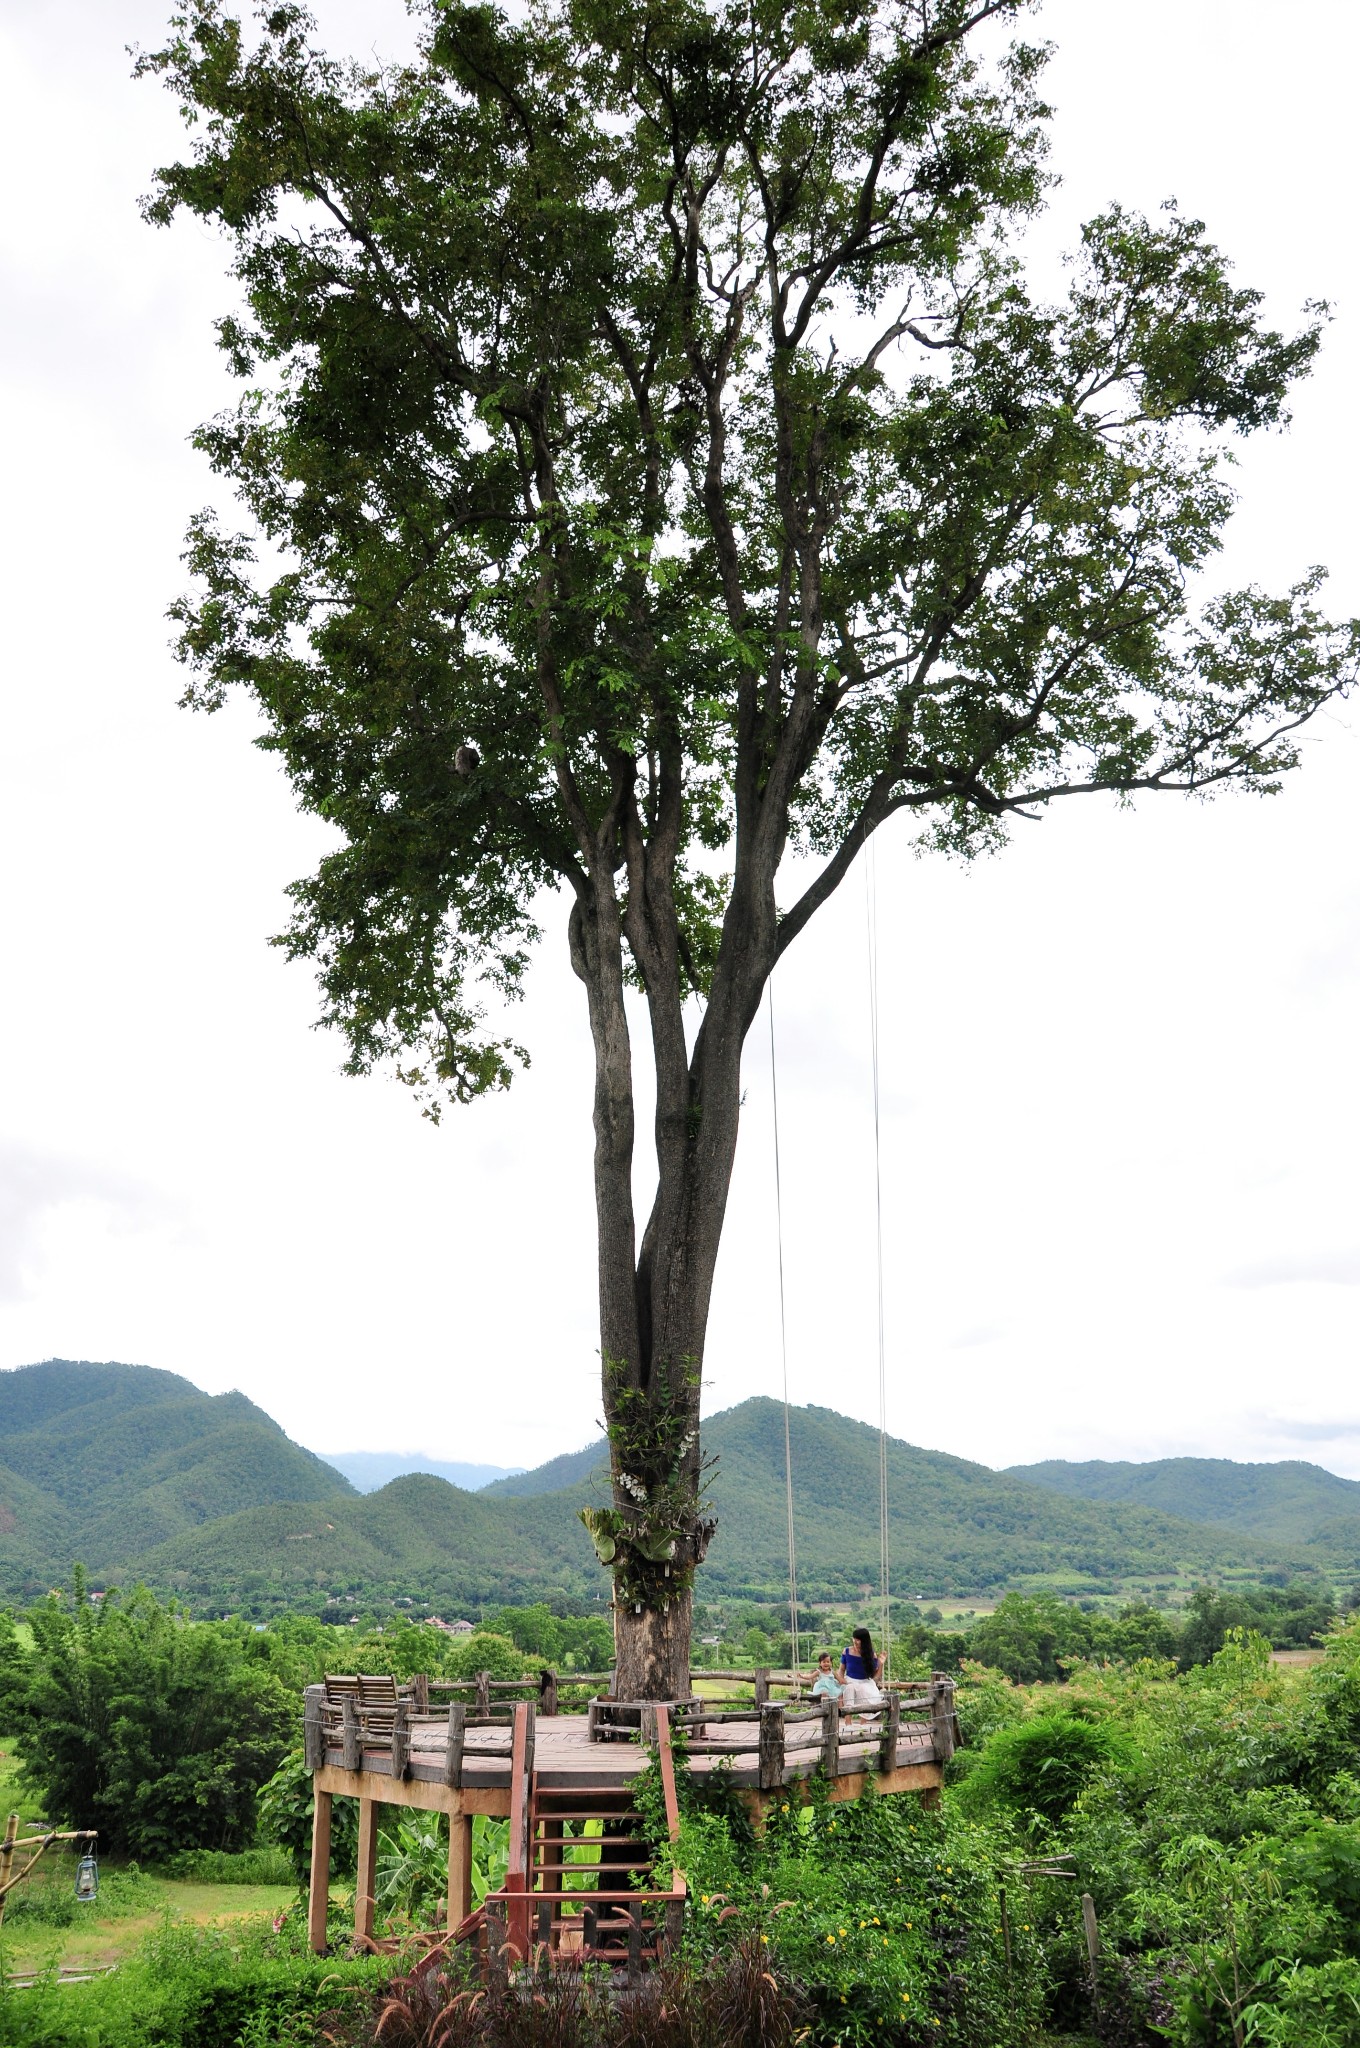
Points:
(656, 460)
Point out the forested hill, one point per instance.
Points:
(1290, 1503)
(101, 1461)
(956, 1527)
(139, 1475)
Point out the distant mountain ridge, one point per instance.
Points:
(368, 1470)
(1291, 1502)
(141, 1476)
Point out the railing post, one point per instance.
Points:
(762, 1685)
(890, 1733)
(771, 1754)
(483, 1692)
(941, 1716)
(351, 1752)
(831, 1735)
(547, 1693)
(401, 1740)
(313, 1731)
(453, 1751)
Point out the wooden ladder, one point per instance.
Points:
(575, 1852)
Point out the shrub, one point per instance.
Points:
(1038, 1768)
(270, 1865)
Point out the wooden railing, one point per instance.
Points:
(375, 1731)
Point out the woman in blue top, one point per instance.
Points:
(861, 1669)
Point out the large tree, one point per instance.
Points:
(657, 464)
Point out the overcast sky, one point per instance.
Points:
(1120, 1111)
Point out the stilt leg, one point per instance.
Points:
(321, 1871)
(366, 1878)
(460, 1869)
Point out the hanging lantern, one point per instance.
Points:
(87, 1879)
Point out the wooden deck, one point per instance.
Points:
(565, 1755)
(385, 1751)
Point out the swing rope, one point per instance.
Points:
(784, 1347)
(871, 923)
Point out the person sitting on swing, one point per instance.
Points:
(861, 1669)
(826, 1685)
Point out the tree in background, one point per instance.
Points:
(155, 1733)
(657, 464)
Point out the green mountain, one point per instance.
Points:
(955, 1526)
(139, 1475)
(99, 1462)
(1289, 1503)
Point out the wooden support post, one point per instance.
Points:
(941, 1716)
(593, 1720)
(366, 1875)
(351, 1752)
(771, 1755)
(517, 1870)
(497, 1939)
(313, 1732)
(1088, 1921)
(460, 1870)
(635, 1941)
(319, 1894)
(457, 1736)
(891, 1732)
(553, 1838)
(483, 1693)
(831, 1735)
(647, 1725)
(420, 1693)
(7, 1858)
(401, 1740)
(762, 1684)
(547, 1693)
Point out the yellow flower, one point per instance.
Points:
(906, 1998)
(885, 1941)
(706, 1898)
(766, 1939)
(877, 1921)
(840, 1930)
(949, 1867)
(863, 1924)
(785, 1807)
(831, 1941)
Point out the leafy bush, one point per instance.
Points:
(194, 1987)
(1039, 1767)
(157, 1733)
(48, 1897)
(285, 1810)
(485, 1651)
(270, 1865)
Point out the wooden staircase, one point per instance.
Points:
(571, 1894)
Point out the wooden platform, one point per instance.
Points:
(380, 1749)
(564, 1755)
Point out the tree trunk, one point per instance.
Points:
(654, 1299)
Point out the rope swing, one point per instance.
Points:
(884, 1591)
(783, 1345)
(871, 929)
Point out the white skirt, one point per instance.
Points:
(860, 1693)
